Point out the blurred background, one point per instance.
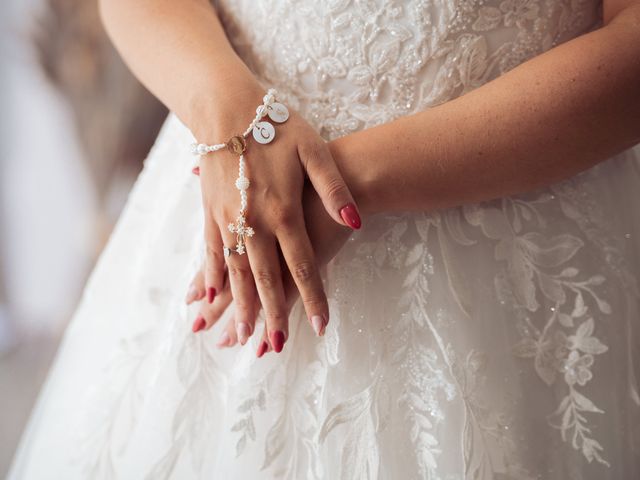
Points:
(75, 128)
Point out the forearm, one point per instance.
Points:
(547, 119)
(180, 52)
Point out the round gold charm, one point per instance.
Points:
(237, 144)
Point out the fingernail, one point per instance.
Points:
(191, 294)
(277, 340)
(211, 294)
(224, 339)
(350, 216)
(262, 349)
(318, 324)
(243, 332)
(195, 170)
(199, 324)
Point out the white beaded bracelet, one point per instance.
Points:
(263, 132)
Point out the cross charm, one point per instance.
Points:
(242, 232)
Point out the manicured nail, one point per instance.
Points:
(195, 170)
(211, 294)
(224, 340)
(277, 340)
(262, 349)
(199, 324)
(243, 332)
(318, 324)
(191, 294)
(350, 216)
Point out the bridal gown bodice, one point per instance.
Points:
(348, 64)
(489, 341)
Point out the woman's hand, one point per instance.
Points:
(187, 62)
(326, 238)
(277, 173)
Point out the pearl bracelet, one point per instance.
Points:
(263, 133)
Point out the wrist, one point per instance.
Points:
(353, 156)
(224, 107)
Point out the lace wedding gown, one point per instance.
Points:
(490, 341)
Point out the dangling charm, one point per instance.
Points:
(242, 231)
(278, 112)
(264, 133)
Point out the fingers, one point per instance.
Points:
(213, 311)
(196, 290)
(264, 346)
(328, 182)
(214, 260)
(210, 313)
(244, 295)
(228, 337)
(265, 265)
(300, 259)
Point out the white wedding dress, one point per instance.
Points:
(490, 341)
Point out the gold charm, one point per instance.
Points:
(237, 144)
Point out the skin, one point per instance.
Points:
(326, 237)
(179, 51)
(473, 148)
(494, 141)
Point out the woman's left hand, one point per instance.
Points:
(326, 238)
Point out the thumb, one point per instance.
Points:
(329, 184)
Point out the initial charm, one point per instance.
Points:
(278, 112)
(264, 132)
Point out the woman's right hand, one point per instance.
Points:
(187, 61)
(277, 173)
(326, 238)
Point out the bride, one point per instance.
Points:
(471, 194)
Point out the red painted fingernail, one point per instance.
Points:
(199, 324)
(262, 349)
(211, 294)
(350, 216)
(195, 170)
(277, 340)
